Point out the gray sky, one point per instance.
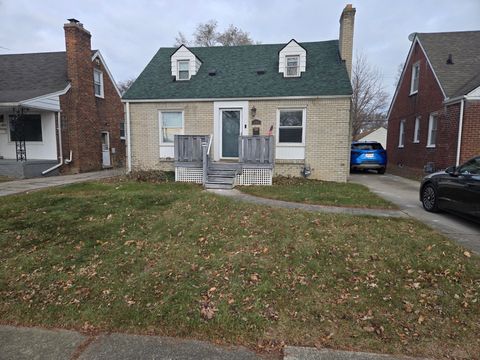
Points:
(128, 33)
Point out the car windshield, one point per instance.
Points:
(367, 146)
(471, 167)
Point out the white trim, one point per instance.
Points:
(304, 123)
(415, 65)
(416, 130)
(239, 99)
(160, 125)
(56, 93)
(177, 77)
(217, 123)
(460, 130)
(98, 54)
(102, 86)
(400, 81)
(129, 144)
(429, 133)
(285, 74)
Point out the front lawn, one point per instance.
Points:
(319, 192)
(170, 259)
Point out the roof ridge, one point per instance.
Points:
(448, 32)
(35, 53)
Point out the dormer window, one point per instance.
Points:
(292, 65)
(183, 70)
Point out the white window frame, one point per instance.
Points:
(401, 134)
(297, 74)
(178, 69)
(416, 131)
(102, 94)
(431, 118)
(160, 125)
(304, 122)
(412, 81)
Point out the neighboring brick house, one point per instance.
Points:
(59, 111)
(298, 92)
(434, 118)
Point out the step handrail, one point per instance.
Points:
(206, 154)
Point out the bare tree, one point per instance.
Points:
(369, 97)
(181, 39)
(124, 85)
(207, 34)
(398, 75)
(234, 36)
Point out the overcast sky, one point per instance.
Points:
(128, 33)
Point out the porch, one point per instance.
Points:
(194, 162)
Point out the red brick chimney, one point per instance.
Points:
(345, 41)
(81, 118)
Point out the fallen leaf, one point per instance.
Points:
(467, 254)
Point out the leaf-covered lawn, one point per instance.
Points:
(319, 192)
(172, 260)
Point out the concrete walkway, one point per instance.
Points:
(405, 194)
(27, 185)
(238, 195)
(20, 343)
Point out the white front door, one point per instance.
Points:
(106, 149)
(230, 123)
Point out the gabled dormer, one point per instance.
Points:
(292, 59)
(184, 64)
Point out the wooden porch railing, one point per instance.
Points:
(256, 150)
(188, 148)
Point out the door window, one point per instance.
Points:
(230, 132)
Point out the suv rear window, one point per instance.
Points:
(367, 146)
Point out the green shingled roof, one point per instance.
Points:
(236, 74)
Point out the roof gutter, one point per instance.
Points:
(460, 128)
(239, 99)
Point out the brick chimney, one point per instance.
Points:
(345, 41)
(83, 135)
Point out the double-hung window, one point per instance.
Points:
(292, 65)
(171, 124)
(98, 82)
(122, 130)
(291, 126)
(183, 69)
(416, 132)
(415, 78)
(432, 130)
(401, 134)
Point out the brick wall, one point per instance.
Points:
(85, 116)
(414, 156)
(471, 130)
(327, 148)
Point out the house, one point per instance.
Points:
(434, 118)
(379, 135)
(59, 111)
(232, 99)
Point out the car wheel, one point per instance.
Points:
(429, 198)
(381, 171)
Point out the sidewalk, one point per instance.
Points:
(26, 185)
(308, 207)
(20, 343)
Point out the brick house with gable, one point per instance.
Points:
(434, 117)
(263, 109)
(60, 112)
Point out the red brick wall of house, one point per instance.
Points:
(414, 156)
(471, 130)
(85, 116)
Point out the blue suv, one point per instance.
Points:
(367, 155)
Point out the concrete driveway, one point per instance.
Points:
(404, 193)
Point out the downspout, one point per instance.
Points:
(60, 147)
(129, 146)
(460, 128)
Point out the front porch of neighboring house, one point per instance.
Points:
(28, 141)
(253, 166)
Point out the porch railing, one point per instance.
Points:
(188, 148)
(256, 150)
